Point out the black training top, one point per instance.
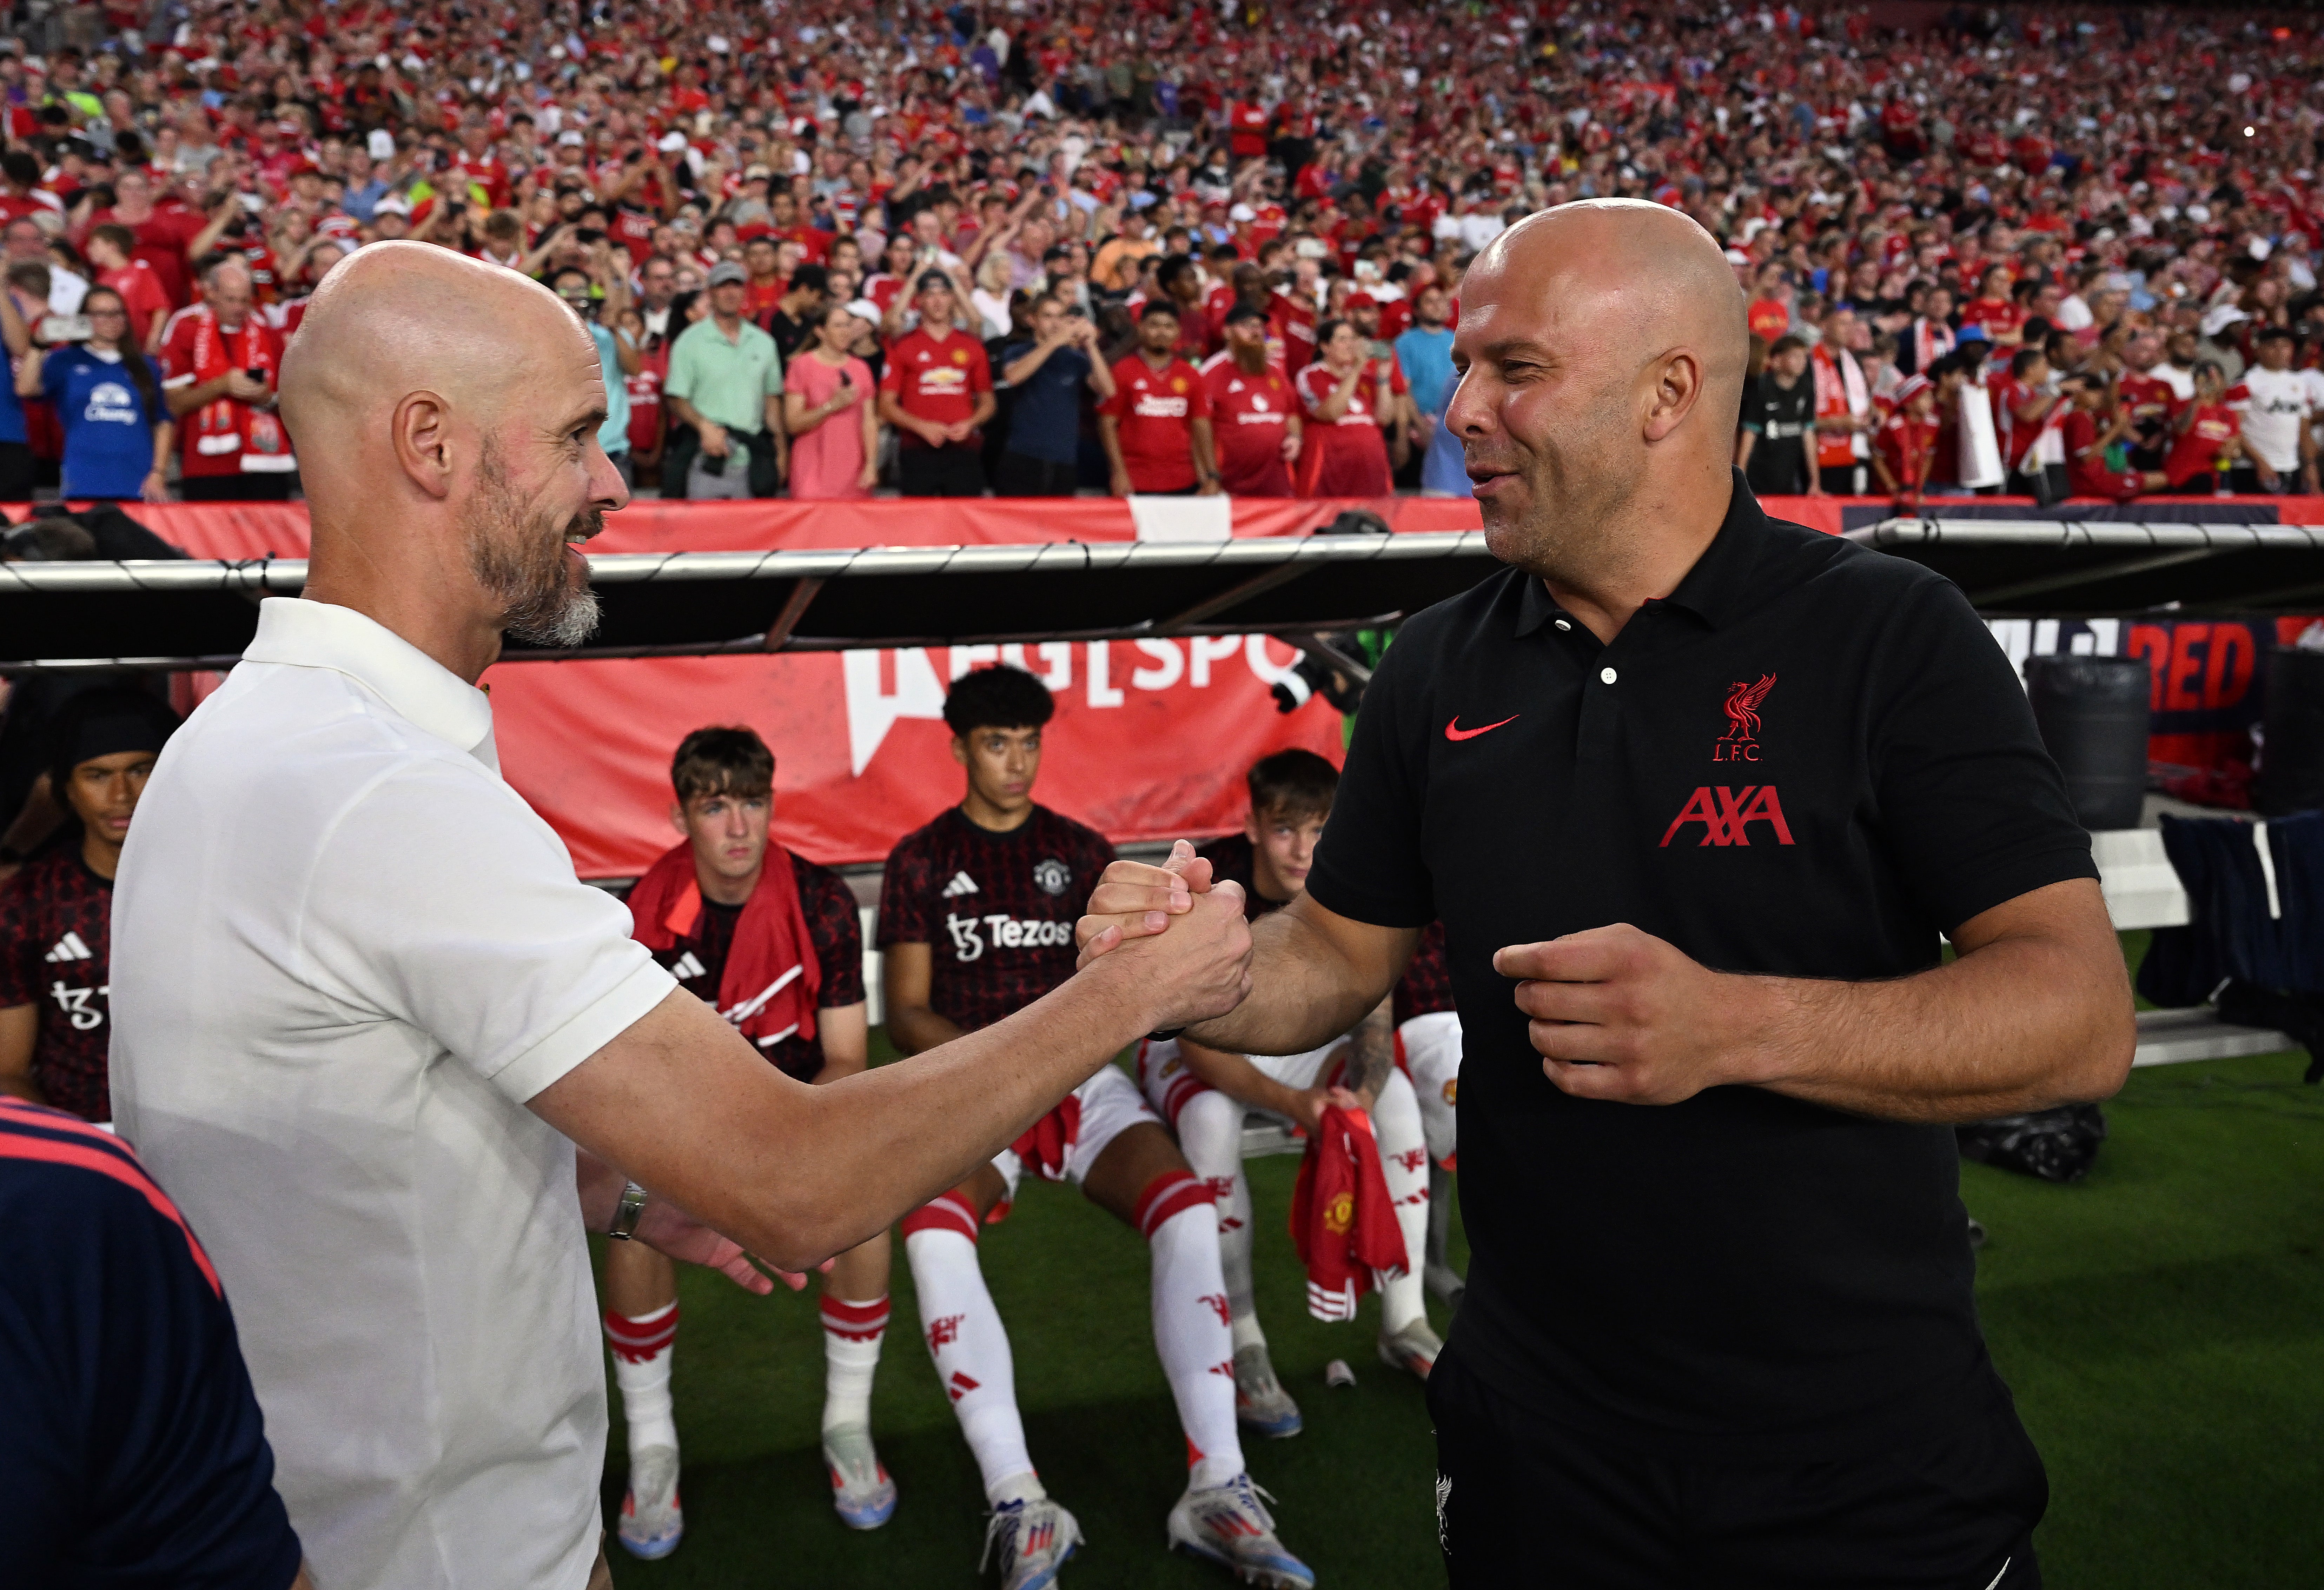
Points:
(1809, 762)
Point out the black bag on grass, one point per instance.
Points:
(2056, 1145)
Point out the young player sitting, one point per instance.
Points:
(1205, 1094)
(771, 939)
(976, 917)
(1428, 1047)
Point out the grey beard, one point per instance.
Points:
(556, 622)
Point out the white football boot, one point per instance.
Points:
(861, 1490)
(1032, 1540)
(1228, 1525)
(651, 1519)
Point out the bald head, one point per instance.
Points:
(1602, 350)
(397, 317)
(1646, 270)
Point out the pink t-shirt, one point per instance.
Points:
(828, 461)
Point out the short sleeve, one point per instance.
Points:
(891, 380)
(53, 371)
(1972, 811)
(829, 907)
(1308, 400)
(979, 371)
(774, 372)
(20, 952)
(1198, 398)
(679, 382)
(177, 357)
(904, 916)
(1370, 866)
(482, 938)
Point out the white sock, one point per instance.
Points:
(852, 1334)
(1190, 1322)
(643, 1347)
(1404, 1159)
(1209, 1135)
(966, 1339)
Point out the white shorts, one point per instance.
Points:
(1110, 1105)
(1167, 1084)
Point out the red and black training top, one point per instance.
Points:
(829, 907)
(996, 910)
(1234, 858)
(56, 952)
(1426, 985)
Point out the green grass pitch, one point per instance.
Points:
(2161, 1323)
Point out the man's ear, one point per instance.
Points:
(960, 750)
(677, 816)
(420, 427)
(1251, 825)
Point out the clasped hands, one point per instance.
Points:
(1615, 1013)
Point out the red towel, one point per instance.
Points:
(1043, 1148)
(771, 978)
(1342, 1219)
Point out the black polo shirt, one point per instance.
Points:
(1810, 761)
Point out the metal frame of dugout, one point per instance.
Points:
(193, 614)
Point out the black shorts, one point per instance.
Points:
(1522, 1502)
(1020, 474)
(940, 472)
(249, 486)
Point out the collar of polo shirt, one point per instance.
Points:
(303, 634)
(1723, 584)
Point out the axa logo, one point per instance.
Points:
(1740, 743)
(1727, 813)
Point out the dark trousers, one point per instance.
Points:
(1018, 476)
(1523, 1503)
(15, 472)
(684, 442)
(940, 472)
(237, 488)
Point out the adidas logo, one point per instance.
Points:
(685, 968)
(70, 948)
(961, 884)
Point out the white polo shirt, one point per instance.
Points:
(344, 955)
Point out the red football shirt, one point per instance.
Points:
(140, 295)
(1154, 411)
(1250, 417)
(937, 381)
(161, 240)
(2197, 450)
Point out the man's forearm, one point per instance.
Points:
(1373, 1055)
(1305, 989)
(2013, 1027)
(797, 1173)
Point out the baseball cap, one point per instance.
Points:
(390, 205)
(671, 142)
(570, 136)
(1242, 212)
(724, 272)
(1362, 300)
(1913, 385)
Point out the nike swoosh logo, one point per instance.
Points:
(1454, 732)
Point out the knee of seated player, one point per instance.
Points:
(1128, 1167)
(1210, 1125)
(1396, 1113)
(983, 1190)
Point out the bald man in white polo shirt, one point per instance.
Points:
(364, 1010)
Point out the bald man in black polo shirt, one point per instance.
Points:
(1697, 793)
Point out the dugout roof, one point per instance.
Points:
(2075, 568)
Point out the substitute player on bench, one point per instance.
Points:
(1205, 1093)
(769, 939)
(976, 917)
(1428, 1048)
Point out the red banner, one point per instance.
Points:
(1152, 740)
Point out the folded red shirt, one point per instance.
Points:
(1342, 1219)
(769, 985)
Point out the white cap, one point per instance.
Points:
(391, 206)
(1242, 212)
(570, 135)
(671, 142)
(2217, 320)
(381, 145)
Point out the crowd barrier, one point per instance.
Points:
(1151, 736)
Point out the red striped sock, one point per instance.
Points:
(647, 1335)
(1173, 1192)
(947, 1211)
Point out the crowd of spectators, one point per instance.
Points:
(1007, 247)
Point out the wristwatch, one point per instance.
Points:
(626, 1212)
